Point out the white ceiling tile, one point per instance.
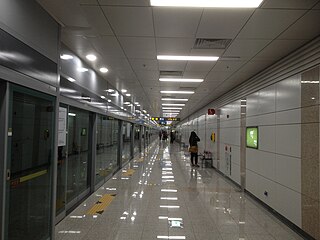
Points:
(144, 64)
(107, 46)
(279, 48)
(116, 64)
(139, 47)
(207, 52)
(222, 23)
(289, 4)
(148, 75)
(218, 76)
(253, 67)
(176, 22)
(172, 65)
(172, 46)
(96, 19)
(75, 42)
(228, 65)
(199, 66)
(245, 48)
(125, 2)
(60, 9)
(130, 21)
(195, 74)
(306, 27)
(94, 2)
(317, 6)
(269, 23)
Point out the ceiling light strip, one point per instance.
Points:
(187, 58)
(178, 92)
(188, 80)
(207, 3)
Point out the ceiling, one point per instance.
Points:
(127, 36)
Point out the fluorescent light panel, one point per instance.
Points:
(207, 3)
(170, 108)
(173, 104)
(175, 99)
(189, 80)
(187, 58)
(178, 92)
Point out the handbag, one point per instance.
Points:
(193, 149)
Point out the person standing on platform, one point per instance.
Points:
(193, 148)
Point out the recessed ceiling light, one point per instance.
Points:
(109, 100)
(207, 3)
(103, 97)
(128, 94)
(91, 57)
(104, 70)
(71, 79)
(109, 90)
(136, 103)
(171, 108)
(116, 94)
(178, 92)
(170, 111)
(175, 99)
(126, 103)
(179, 80)
(66, 57)
(187, 58)
(81, 69)
(124, 90)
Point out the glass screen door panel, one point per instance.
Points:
(78, 153)
(30, 152)
(62, 160)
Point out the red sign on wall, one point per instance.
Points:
(211, 111)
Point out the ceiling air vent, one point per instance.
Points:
(211, 43)
(170, 73)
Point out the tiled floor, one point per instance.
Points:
(167, 199)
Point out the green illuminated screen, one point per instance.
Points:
(252, 137)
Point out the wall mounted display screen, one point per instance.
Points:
(252, 137)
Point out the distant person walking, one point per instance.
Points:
(193, 148)
(172, 137)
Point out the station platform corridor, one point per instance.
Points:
(160, 196)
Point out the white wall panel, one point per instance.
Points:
(267, 100)
(288, 93)
(288, 140)
(265, 119)
(261, 162)
(235, 173)
(289, 117)
(253, 104)
(267, 136)
(288, 172)
(289, 204)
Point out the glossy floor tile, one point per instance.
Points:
(166, 198)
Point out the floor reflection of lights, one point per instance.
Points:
(169, 206)
(169, 198)
(171, 237)
(169, 190)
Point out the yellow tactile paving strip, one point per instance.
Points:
(139, 160)
(100, 206)
(129, 173)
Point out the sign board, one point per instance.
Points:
(211, 111)
(161, 119)
(62, 127)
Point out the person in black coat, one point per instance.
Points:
(193, 141)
